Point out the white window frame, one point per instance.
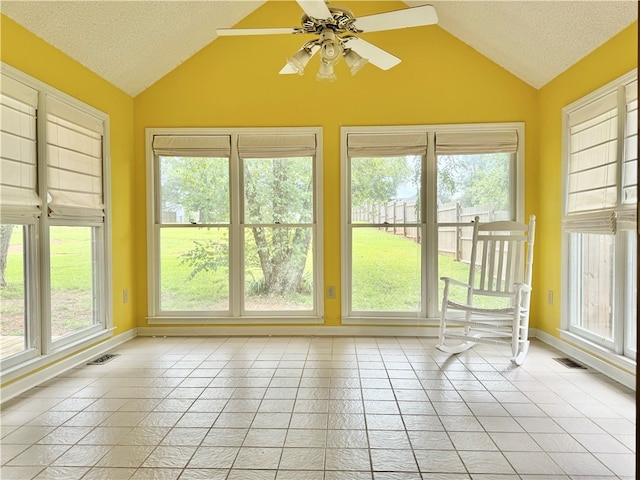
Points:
(236, 314)
(429, 313)
(41, 349)
(617, 352)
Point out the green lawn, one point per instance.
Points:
(71, 283)
(386, 276)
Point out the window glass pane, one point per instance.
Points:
(13, 317)
(194, 190)
(593, 283)
(386, 271)
(278, 268)
(278, 190)
(631, 314)
(194, 268)
(386, 189)
(73, 279)
(470, 185)
(454, 254)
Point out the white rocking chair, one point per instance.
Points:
(502, 258)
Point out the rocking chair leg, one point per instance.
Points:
(519, 358)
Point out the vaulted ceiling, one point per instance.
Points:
(132, 44)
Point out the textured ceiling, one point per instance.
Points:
(132, 44)
(119, 40)
(535, 40)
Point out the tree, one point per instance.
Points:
(197, 187)
(474, 180)
(375, 181)
(5, 240)
(279, 191)
(490, 183)
(278, 208)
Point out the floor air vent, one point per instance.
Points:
(103, 359)
(567, 362)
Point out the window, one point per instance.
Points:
(409, 195)
(234, 232)
(600, 201)
(54, 224)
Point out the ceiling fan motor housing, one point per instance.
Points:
(341, 21)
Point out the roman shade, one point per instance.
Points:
(592, 153)
(18, 152)
(386, 144)
(192, 145)
(276, 146)
(476, 142)
(74, 162)
(602, 163)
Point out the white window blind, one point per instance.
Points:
(592, 160)
(476, 142)
(276, 146)
(630, 164)
(386, 145)
(74, 162)
(602, 179)
(215, 146)
(18, 157)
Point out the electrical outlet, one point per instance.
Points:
(550, 297)
(331, 291)
(125, 296)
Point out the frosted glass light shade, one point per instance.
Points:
(299, 60)
(325, 73)
(354, 61)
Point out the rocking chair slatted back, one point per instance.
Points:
(498, 257)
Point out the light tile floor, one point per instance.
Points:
(320, 408)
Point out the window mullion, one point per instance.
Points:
(43, 246)
(236, 233)
(430, 229)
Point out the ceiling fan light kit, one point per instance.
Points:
(338, 33)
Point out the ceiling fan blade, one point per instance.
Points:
(288, 69)
(315, 9)
(376, 56)
(408, 17)
(232, 32)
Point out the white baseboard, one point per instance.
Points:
(625, 378)
(29, 381)
(293, 330)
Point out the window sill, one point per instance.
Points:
(29, 366)
(616, 360)
(275, 320)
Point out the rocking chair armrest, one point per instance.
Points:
(453, 281)
(522, 287)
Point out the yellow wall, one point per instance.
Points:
(613, 59)
(233, 82)
(440, 80)
(28, 53)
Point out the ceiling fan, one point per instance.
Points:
(337, 31)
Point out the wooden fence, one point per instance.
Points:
(453, 240)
